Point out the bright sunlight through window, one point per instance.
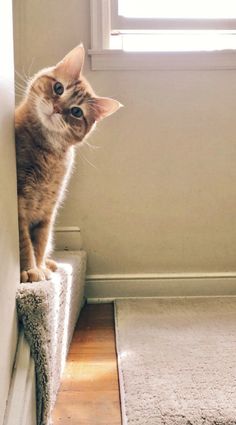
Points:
(174, 41)
(154, 25)
(185, 9)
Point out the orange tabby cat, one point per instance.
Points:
(59, 109)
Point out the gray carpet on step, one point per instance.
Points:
(48, 311)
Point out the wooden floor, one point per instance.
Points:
(89, 392)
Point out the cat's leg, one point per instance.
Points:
(41, 235)
(50, 264)
(29, 271)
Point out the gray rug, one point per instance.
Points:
(48, 311)
(177, 361)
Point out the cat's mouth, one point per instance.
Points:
(55, 121)
(52, 116)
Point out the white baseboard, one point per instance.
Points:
(21, 404)
(105, 288)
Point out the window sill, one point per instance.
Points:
(120, 60)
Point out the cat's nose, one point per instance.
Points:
(56, 109)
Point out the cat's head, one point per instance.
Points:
(64, 101)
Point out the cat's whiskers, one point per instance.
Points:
(19, 90)
(44, 102)
(94, 147)
(62, 124)
(23, 78)
(33, 96)
(30, 67)
(26, 75)
(17, 94)
(84, 158)
(19, 84)
(37, 100)
(34, 100)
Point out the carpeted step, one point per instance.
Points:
(48, 312)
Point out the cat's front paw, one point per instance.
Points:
(51, 264)
(32, 275)
(47, 273)
(36, 274)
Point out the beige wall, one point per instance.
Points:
(162, 197)
(9, 262)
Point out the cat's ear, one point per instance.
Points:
(72, 64)
(104, 106)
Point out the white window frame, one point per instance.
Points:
(104, 17)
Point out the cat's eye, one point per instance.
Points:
(58, 88)
(76, 112)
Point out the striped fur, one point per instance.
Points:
(46, 136)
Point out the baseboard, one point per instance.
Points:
(21, 404)
(104, 288)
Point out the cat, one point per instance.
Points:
(58, 111)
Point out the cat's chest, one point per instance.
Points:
(42, 178)
(55, 166)
(56, 176)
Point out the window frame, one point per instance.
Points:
(105, 18)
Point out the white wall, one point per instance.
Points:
(9, 262)
(162, 197)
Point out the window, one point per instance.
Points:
(163, 34)
(176, 9)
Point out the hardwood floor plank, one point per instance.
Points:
(81, 376)
(89, 391)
